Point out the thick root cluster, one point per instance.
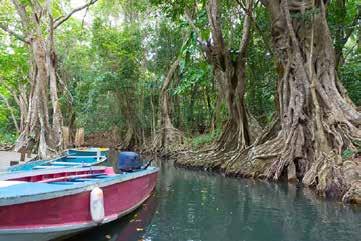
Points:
(318, 122)
(212, 157)
(168, 140)
(271, 157)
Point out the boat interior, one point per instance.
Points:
(64, 176)
(61, 162)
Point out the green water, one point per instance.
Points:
(196, 206)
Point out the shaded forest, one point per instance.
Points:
(267, 89)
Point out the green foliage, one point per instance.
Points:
(306, 16)
(350, 72)
(13, 74)
(7, 137)
(120, 52)
(341, 18)
(261, 73)
(205, 139)
(110, 66)
(164, 46)
(14, 66)
(351, 77)
(196, 87)
(346, 154)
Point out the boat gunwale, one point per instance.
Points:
(83, 187)
(100, 160)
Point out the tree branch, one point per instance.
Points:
(254, 21)
(170, 74)
(214, 21)
(62, 19)
(246, 31)
(20, 8)
(12, 33)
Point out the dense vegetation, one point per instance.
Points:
(172, 75)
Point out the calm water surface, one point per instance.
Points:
(196, 206)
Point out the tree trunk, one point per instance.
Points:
(38, 32)
(231, 81)
(153, 127)
(51, 72)
(216, 114)
(190, 116)
(22, 101)
(318, 121)
(229, 74)
(38, 130)
(169, 138)
(128, 106)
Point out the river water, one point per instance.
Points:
(197, 206)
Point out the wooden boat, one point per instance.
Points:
(45, 204)
(70, 158)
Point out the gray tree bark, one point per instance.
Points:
(169, 138)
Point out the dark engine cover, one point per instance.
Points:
(129, 161)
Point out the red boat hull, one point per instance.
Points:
(55, 216)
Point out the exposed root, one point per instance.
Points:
(318, 122)
(225, 150)
(168, 140)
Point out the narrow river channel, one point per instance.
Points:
(197, 206)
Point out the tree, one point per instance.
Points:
(169, 138)
(229, 70)
(121, 61)
(38, 26)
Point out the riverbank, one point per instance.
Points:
(198, 160)
(351, 192)
(8, 158)
(6, 147)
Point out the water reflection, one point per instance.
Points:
(198, 206)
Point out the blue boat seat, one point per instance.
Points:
(67, 163)
(102, 176)
(86, 179)
(82, 157)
